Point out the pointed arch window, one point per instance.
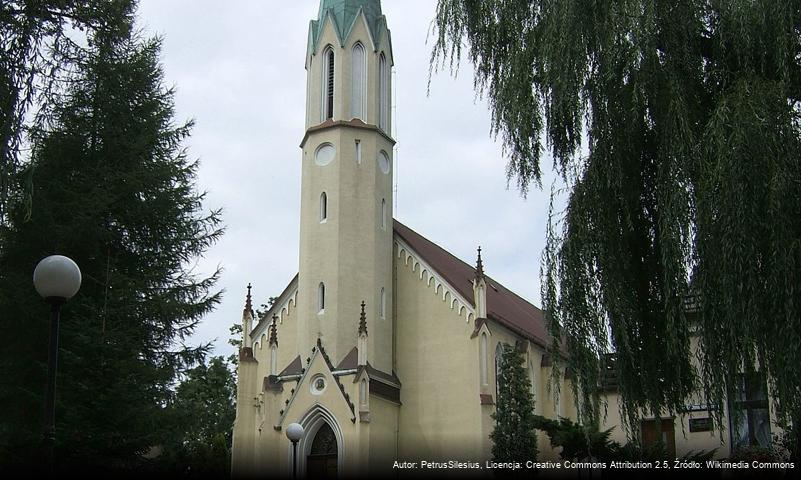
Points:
(383, 304)
(358, 81)
(363, 393)
(498, 359)
(321, 297)
(532, 380)
(383, 92)
(383, 214)
(328, 84)
(323, 207)
(483, 347)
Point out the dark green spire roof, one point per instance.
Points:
(344, 13)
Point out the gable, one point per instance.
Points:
(334, 396)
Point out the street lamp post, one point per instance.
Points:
(294, 432)
(57, 279)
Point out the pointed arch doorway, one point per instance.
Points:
(320, 452)
(321, 462)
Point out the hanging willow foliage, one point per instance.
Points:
(690, 192)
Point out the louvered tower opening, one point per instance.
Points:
(329, 93)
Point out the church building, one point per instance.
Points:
(384, 346)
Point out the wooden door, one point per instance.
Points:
(652, 435)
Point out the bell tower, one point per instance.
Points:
(346, 188)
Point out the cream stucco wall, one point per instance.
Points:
(349, 251)
(435, 354)
(717, 439)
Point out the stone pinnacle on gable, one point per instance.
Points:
(274, 331)
(363, 321)
(479, 265)
(248, 304)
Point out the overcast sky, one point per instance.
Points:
(238, 69)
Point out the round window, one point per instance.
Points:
(383, 162)
(325, 154)
(318, 384)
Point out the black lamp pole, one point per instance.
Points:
(294, 459)
(49, 431)
(57, 279)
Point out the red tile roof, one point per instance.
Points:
(503, 305)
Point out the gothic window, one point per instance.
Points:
(383, 214)
(321, 297)
(498, 358)
(383, 92)
(383, 304)
(358, 152)
(363, 392)
(483, 358)
(328, 83)
(358, 82)
(532, 379)
(323, 207)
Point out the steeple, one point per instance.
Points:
(346, 184)
(345, 13)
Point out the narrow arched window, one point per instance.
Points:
(328, 84)
(532, 379)
(363, 392)
(358, 82)
(483, 357)
(383, 92)
(383, 304)
(323, 207)
(498, 359)
(321, 297)
(383, 214)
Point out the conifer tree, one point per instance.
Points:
(40, 40)
(202, 413)
(114, 190)
(514, 437)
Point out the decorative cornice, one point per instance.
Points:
(286, 303)
(355, 123)
(441, 287)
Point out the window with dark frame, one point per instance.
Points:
(749, 413)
